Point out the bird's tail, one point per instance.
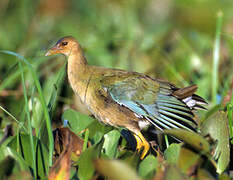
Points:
(192, 100)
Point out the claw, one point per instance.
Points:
(142, 143)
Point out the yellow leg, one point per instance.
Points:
(142, 143)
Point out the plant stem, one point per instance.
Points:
(216, 57)
(29, 122)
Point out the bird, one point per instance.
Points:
(128, 99)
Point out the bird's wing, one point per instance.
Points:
(155, 100)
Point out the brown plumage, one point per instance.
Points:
(128, 99)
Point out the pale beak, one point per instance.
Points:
(48, 53)
(52, 51)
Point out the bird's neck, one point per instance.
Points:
(78, 72)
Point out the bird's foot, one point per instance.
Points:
(142, 143)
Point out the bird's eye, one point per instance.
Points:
(64, 43)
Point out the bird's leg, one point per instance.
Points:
(142, 143)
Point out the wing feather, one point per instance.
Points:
(155, 101)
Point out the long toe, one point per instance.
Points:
(142, 143)
(139, 143)
(145, 150)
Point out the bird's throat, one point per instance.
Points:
(78, 73)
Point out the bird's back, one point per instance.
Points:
(156, 101)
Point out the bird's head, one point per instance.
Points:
(64, 46)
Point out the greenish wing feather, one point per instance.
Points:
(153, 101)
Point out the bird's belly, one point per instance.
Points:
(104, 115)
(110, 113)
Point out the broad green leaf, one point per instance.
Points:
(86, 167)
(172, 153)
(111, 142)
(203, 174)
(174, 173)
(132, 158)
(192, 139)
(225, 177)
(115, 170)
(25, 151)
(148, 166)
(97, 131)
(36, 111)
(188, 160)
(77, 121)
(217, 127)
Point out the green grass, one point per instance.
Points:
(43, 103)
(28, 121)
(230, 116)
(183, 42)
(216, 57)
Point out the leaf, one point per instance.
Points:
(225, 177)
(7, 151)
(61, 168)
(64, 139)
(203, 174)
(188, 161)
(217, 127)
(52, 102)
(148, 166)
(194, 140)
(169, 172)
(66, 144)
(111, 142)
(56, 89)
(36, 111)
(172, 153)
(26, 152)
(97, 131)
(115, 170)
(42, 99)
(77, 121)
(86, 167)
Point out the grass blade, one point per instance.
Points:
(216, 57)
(29, 122)
(230, 116)
(14, 118)
(85, 139)
(42, 100)
(56, 89)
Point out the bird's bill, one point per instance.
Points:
(52, 51)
